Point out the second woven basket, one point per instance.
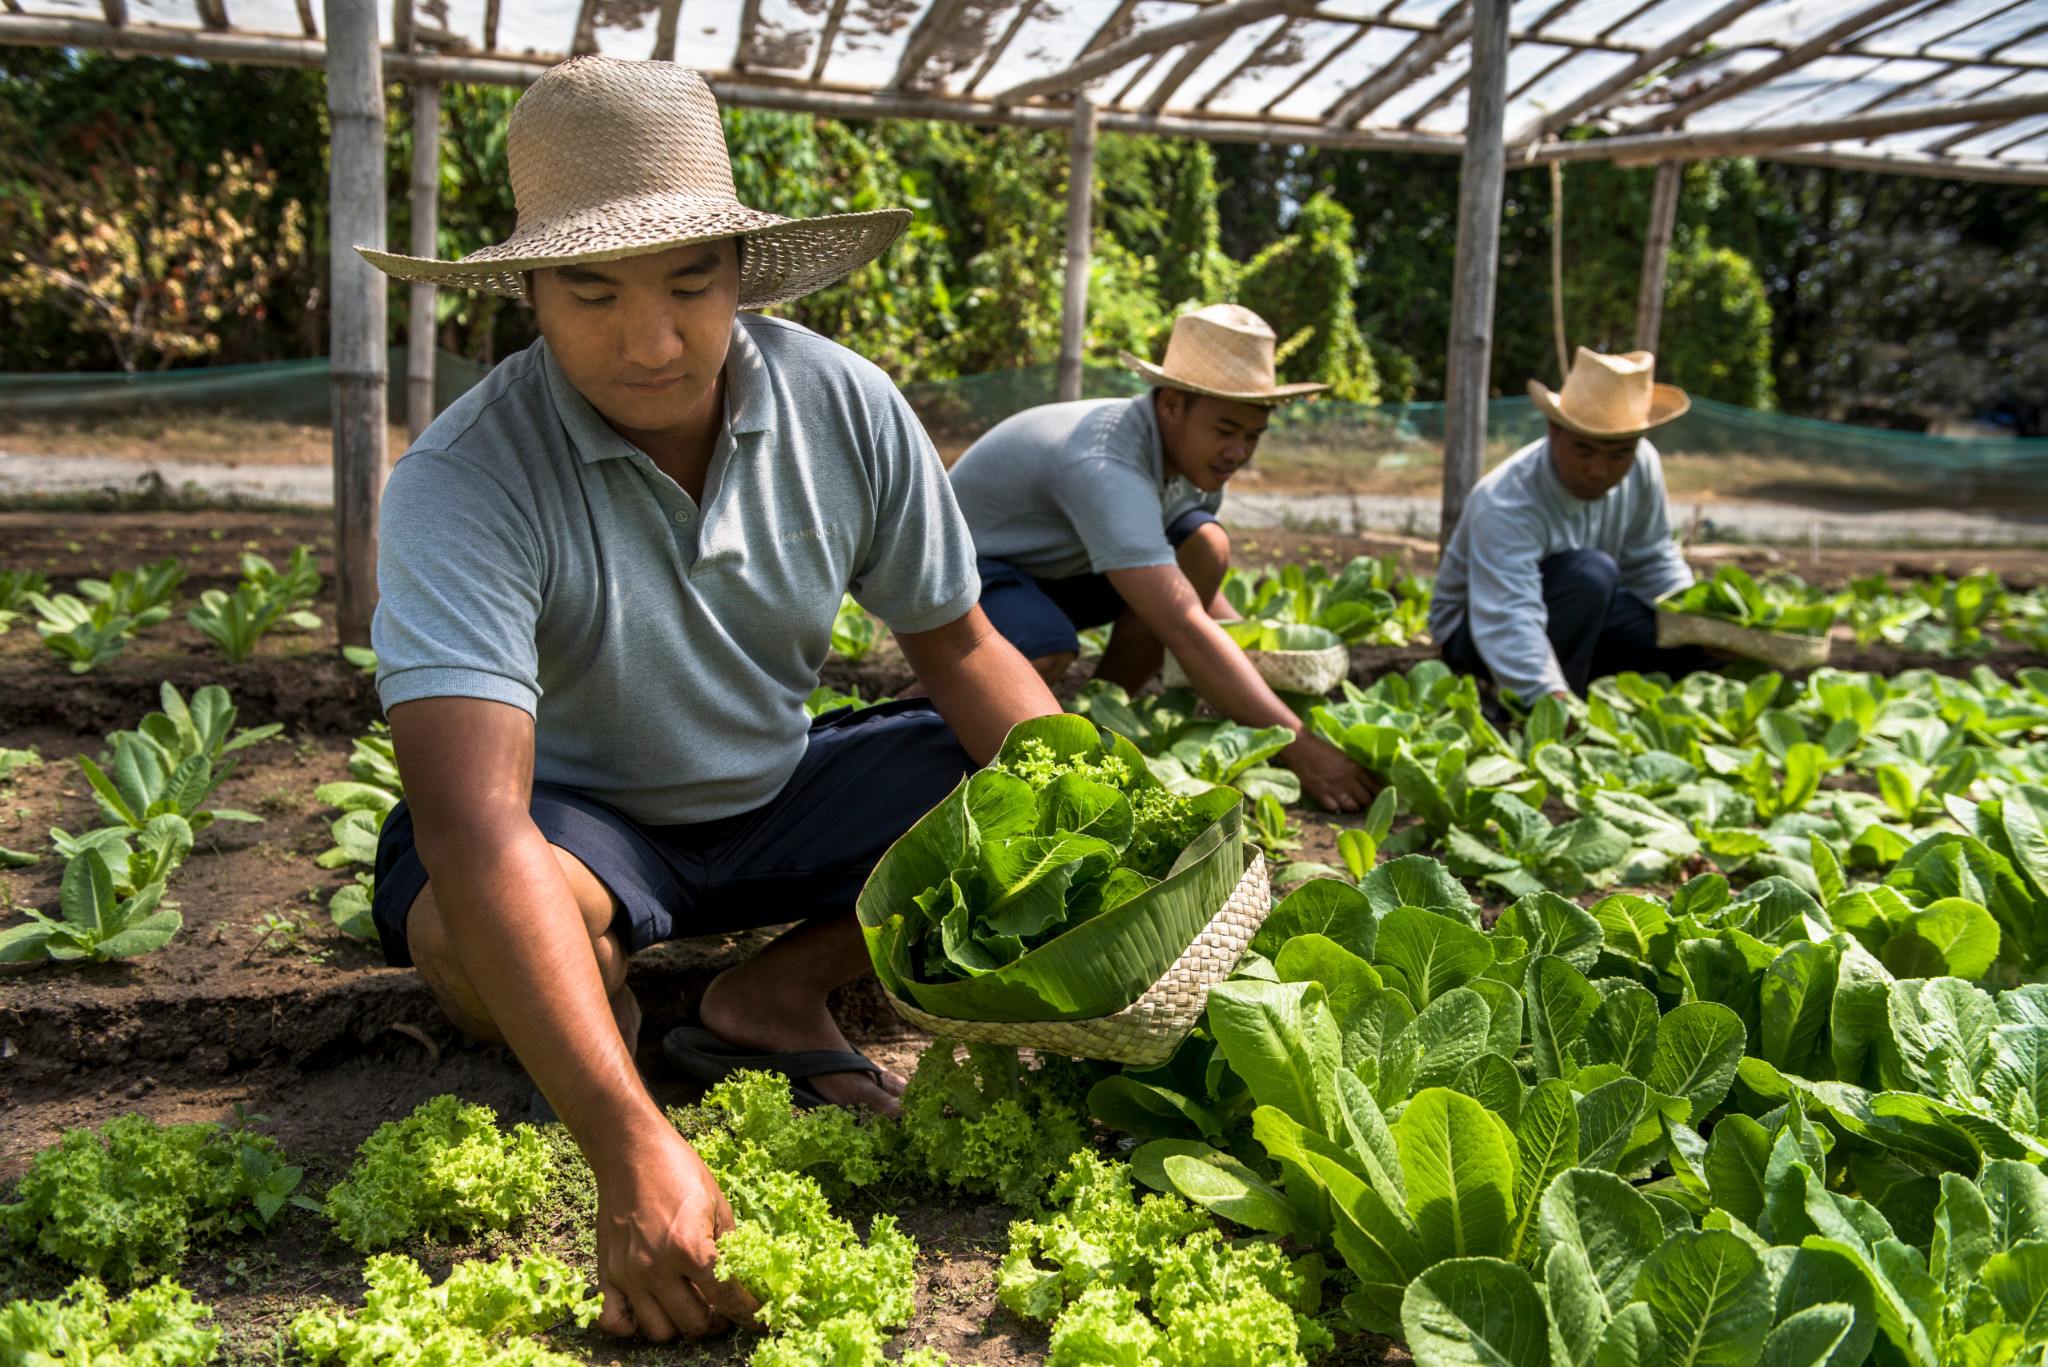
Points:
(1148, 1030)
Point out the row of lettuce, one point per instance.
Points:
(88, 628)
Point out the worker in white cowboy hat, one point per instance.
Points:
(609, 576)
(1548, 579)
(1104, 511)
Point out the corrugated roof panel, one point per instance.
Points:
(1567, 82)
(1322, 91)
(1659, 24)
(1588, 19)
(1418, 93)
(872, 36)
(1998, 30)
(1305, 43)
(1933, 24)
(1762, 103)
(1422, 11)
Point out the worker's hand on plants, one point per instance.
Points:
(659, 1217)
(1328, 775)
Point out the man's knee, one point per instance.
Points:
(1582, 570)
(1053, 668)
(1204, 557)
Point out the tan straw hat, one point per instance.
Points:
(1224, 351)
(1611, 396)
(612, 159)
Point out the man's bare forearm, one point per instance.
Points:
(1166, 603)
(511, 917)
(978, 681)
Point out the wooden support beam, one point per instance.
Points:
(307, 24)
(1317, 67)
(665, 25)
(356, 305)
(1637, 148)
(584, 44)
(425, 195)
(1000, 46)
(1080, 216)
(743, 47)
(1657, 253)
(1475, 269)
(932, 30)
(1251, 60)
(116, 12)
(491, 25)
(826, 38)
(1418, 57)
(1218, 19)
(214, 14)
(1820, 44)
(1184, 66)
(1598, 96)
(1914, 164)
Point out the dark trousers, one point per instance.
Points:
(1595, 628)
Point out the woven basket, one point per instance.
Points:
(1288, 671)
(1782, 649)
(1148, 1030)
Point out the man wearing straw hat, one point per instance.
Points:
(609, 575)
(1104, 511)
(1548, 579)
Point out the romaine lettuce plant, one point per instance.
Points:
(855, 631)
(1213, 755)
(1733, 596)
(97, 920)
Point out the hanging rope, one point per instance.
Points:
(1564, 356)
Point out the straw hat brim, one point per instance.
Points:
(786, 258)
(1279, 394)
(1667, 401)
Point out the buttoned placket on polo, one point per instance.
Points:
(686, 520)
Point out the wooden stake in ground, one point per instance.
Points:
(1657, 253)
(1564, 355)
(1080, 210)
(357, 305)
(1476, 268)
(426, 222)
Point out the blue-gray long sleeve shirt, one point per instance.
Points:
(1517, 517)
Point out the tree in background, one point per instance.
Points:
(1303, 285)
(148, 267)
(133, 162)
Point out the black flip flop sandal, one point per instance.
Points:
(709, 1059)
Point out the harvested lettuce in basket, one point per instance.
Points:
(1056, 884)
(1733, 596)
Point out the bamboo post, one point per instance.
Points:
(357, 305)
(1657, 253)
(426, 222)
(1564, 356)
(1480, 187)
(1080, 208)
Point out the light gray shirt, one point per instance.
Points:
(1066, 489)
(1517, 517)
(533, 556)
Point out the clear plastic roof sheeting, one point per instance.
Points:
(1802, 79)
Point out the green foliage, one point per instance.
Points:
(147, 783)
(92, 630)
(855, 631)
(1716, 339)
(180, 731)
(1302, 286)
(125, 1201)
(154, 1326)
(849, 1341)
(444, 1171)
(481, 1316)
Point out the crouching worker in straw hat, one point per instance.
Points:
(1549, 576)
(609, 574)
(1105, 511)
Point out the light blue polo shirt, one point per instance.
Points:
(533, 556)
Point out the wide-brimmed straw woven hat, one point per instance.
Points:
(1611, 396)
(612, 159)
(1225, 351)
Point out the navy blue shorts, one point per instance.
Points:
(1044, 616)
(865, 780)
